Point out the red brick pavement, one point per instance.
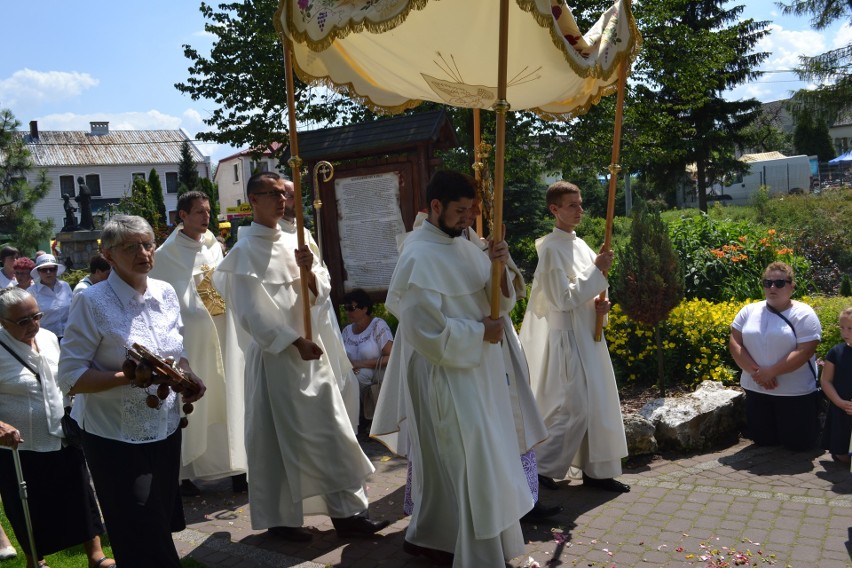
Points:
(758, 506)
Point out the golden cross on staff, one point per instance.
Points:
(327, 171)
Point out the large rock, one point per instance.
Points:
(709, 417)
(640, 435)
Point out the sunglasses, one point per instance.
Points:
(777, 283)
(47, 269)
(351, 308)
(277, 194)
(24, 321)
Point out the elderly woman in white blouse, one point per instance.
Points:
(61, 502)
(133, 450)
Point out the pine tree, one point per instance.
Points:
(187, 170)
(157, 194)
(17, 196)
(212, 192)
(649, 283)
(141, 202)
(811, 137)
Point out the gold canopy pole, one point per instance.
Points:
(296, 168)
(501, 107)
(477, 163)
(614, 169)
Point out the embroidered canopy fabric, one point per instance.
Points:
(393, 54)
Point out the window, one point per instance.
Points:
(259, 167)
(93, 181)
(171, 182)
(236, 172)
(137, 175)
(66, 186)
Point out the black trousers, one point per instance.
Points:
(137, 486)
(789, 421)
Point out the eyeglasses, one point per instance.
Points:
(352, 308)
(47, 269)
(131, 248)
(275, 193)
(777, 283)
(22, 273)
(24, 321)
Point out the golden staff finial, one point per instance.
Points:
(327, 171)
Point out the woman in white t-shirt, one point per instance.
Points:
(368, 341)
(774, 342)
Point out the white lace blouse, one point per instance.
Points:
(104, 321)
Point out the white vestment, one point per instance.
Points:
(571, 374)
(213, 444)
(302, 453)
(470, 488)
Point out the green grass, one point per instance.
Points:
(71, 558)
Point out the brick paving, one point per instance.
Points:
(759, 506)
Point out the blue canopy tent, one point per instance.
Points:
(842, 158)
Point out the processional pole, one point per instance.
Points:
(295, 163)
(327, 170)
(477, 163)
(614, 169)
(501, 107)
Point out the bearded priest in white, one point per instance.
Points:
(213, 445)
(571, 374)
(470, 487)
(303, 457)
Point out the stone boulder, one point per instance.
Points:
(640, 435)
(711, 416)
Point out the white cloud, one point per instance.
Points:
(34, 87)
(843, 37)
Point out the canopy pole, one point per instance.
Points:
(614, 169)
(295, 163)
(501, 107)
(477, 162)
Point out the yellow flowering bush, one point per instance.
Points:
(695, 341)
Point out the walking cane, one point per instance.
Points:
(22, 491)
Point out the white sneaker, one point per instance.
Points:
(8, 552)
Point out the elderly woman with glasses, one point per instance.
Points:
(51, 293)
(133, 450)
(774, 342)
(62, 505)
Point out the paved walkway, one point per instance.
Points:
(755, 506)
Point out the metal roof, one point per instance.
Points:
(118, 147)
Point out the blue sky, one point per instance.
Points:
(67, 63)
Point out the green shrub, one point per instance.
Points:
(74, 276)
(828, 310)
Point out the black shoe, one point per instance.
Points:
(292, 534)
(439, 557)
(608, 484)
(189, 489)
(357, 525)
(548, 482)
(239, 483)
(541, 512)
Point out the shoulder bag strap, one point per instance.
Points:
(22, 362)
(788, 322)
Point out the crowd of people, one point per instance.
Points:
(275, 394)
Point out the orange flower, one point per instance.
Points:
(771, 232)
(742, 238)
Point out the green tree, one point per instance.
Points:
(212, 192)
(676, 114)
(141, 202)
(649, 284)
(18, 197)
(187, 170)
(811, 136)
(157, 193)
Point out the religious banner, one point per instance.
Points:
(369, 221)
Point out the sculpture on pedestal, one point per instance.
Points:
(70, 218)
(84, 200)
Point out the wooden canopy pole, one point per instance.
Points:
(614, 169)
(501, 107)
(477, 162)
(296, 168)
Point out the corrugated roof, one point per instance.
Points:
(762, 156)
(118, 147)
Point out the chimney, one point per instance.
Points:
(99, 128)
(34, 129)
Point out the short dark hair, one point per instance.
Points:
(185, 201)
(8, 251)
(98, 262)
(447, 186)
(360, 298)
(557, 190)
(257, 181)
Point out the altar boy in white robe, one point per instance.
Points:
(303, 457)
(213, 445)
(471, 488)
(571, 374)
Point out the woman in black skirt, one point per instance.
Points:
(62, 506)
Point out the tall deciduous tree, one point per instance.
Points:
(693, 53)
(17, 196)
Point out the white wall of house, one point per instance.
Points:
(231, 177)
(115, 183)
(841, 136)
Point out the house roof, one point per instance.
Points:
(762, 156)
(268, 151)
(118, 147)
(379, 136)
